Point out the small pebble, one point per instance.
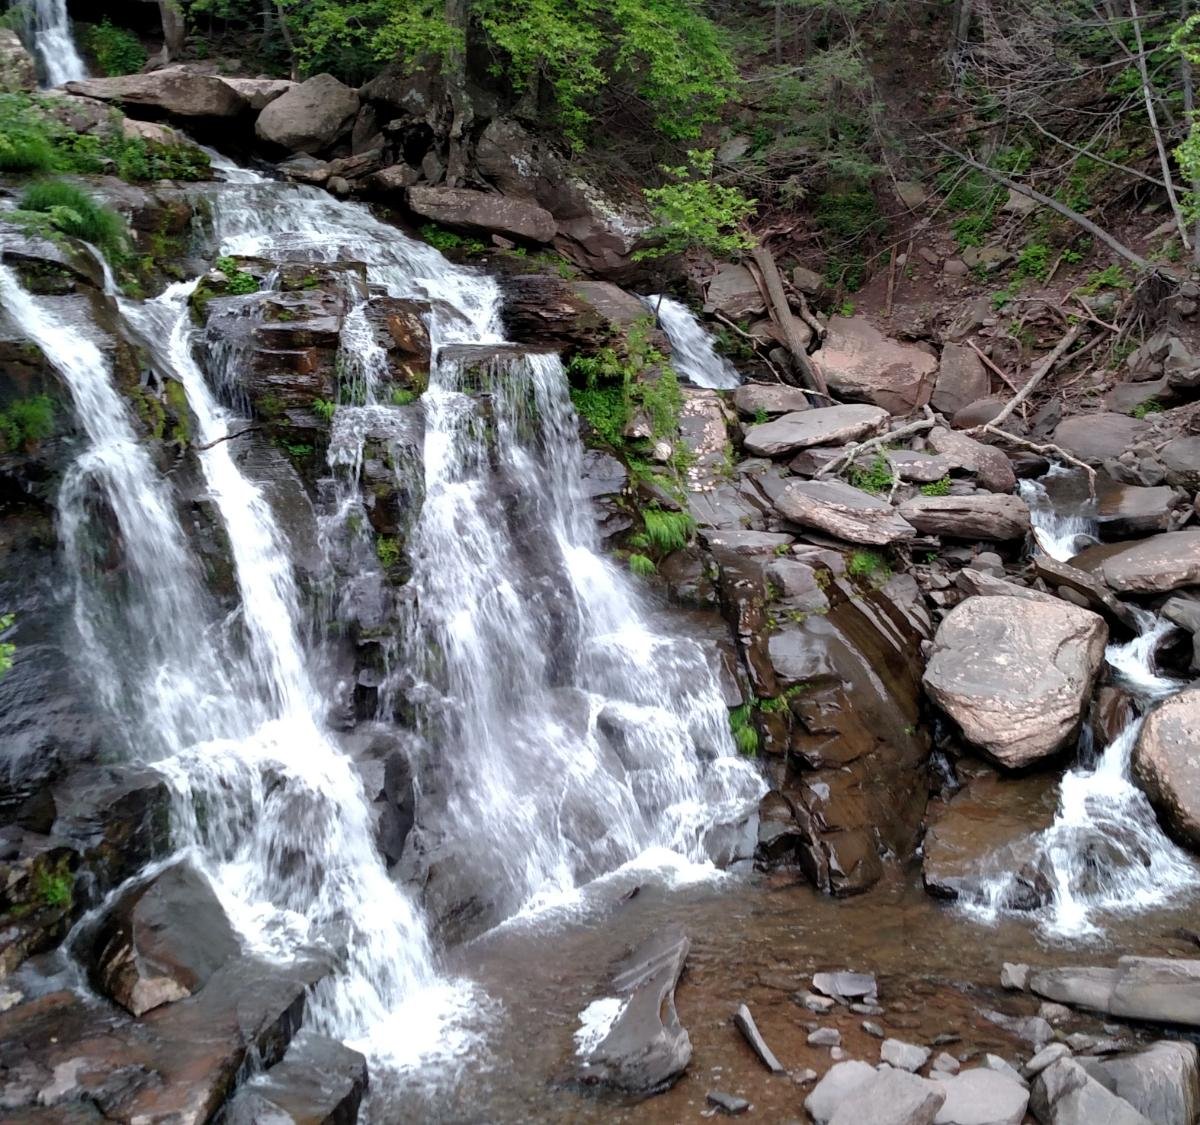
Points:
(1015, 977)
(1048, 1054)
(804, 1077)
(946, 1063)
(903, 1056)
(946, 1037)
(866, 1009)
(837, 1054)
(815, 1003)
(729, 1104)
(825, 1037)
(872, 1029)
(1055, 1013)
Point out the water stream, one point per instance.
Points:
(49, 28)
(692, 353)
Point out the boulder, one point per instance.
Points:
(1155, 989)
(734, 293)
(1184, 610)
(645, 1048)
(983, 1096)
(902, 1055)
(172, 91)
(1166, 764)
(1181, 461)
(862, 364)
(308, 117)
(920, 468)
(1155, 565)
(17, 72)
(1065, 1094)
(830, 425)
(161, 941)
(840, 1082)
(1097, 437)
(484, 211)
(1014, 674)
(1099, 599)
(961, 379)
(892, 1097)
(771, 399)
(1162, 1082)
(259, 92)
(843, 511)
(990, 466)
(980, 515)
(1126, 510)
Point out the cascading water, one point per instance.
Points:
(692, 353)
(564, 737)
(1060, 535)
(49, 27)
(1105, 852)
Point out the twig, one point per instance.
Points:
(993, 368)
(1093, 317)
(227, 437)
(852, 452)
(755, 343)
(1047, 449)
(891, 288)
(1046, 367)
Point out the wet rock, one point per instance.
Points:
(734, 292)
(1180, 458)
(892, 1097)
(1157, 989)
(843, 511)
(839, 1083)
(1184, 611)
(844, 986)
(987, 831)
(1015, 675)
(983, 1097)
(861, 364)
(744, 1022)
(17, 72)
(1098, 598)
(646, 1049)
(1096, 437)
(771, 399)
(1044, 1058)
(903, 1056)
(1147, 566)
(1065, 1094)
(37, 893)
(172, 91)
(961, 379)
(318, 1082)
(308, 117)
(1125, 510)
(1166, 764)
(980, 515)
(161, 941)
(829, 425)
(990, 466)
(483, 211)
(729, 1104)
(1161, 1082)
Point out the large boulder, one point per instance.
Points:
(308, 117)
(1181, 460)
(17, 72)
(259, 92)
(862, 364)
(1146, 566)
(1154, 989)
(1162, 1082)
(734, 293)
(961, 380)
(980, 515)
(830, 425)
(172, 91)
(1065, 1094)
(892, 1097)
(982, 1096)
(771, 399)
(1014, 674)
(843, 511)
(483, 211)
(1096, 437)
(990, 466)
(161, 941)
(1166, 764)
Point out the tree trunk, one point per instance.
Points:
(454, 70)
(781, 313)
(173, 28)
(1189, 108)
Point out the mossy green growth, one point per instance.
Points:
(401, 396)
(876, 477)
(324, 409)
(642, 566)
(442, 239)
(176, 396)
(745, 734)
(869, 565)
(7, 649)
(117, 50)
(240, 282)
(26, 422)
(387, 550)
(72, 211)
(54, 886)
(667, 531)
(1150, 406)
(936, 488)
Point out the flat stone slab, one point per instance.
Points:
(1162, 1081)
(892, 1097)
(771, 399)
(983, 1097)
(829, 425)
(1155, 989)
(1096, 437)
(981, 515)
(859, 362)
(1065, 1094)
(1148, 566)
(990, 465)
(845, 512)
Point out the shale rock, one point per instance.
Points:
(1096, 437)
(161, 941)
(771, 399)
(992, 468)
(860, 363)
(983, 1097)
(483, 211)
(843, 511)
(840, 1081)
(891, 1097)
(1162, 1082)
(982, 515)
(1156, 989)
(1147, 566)
(1181, 460)
(961, 379)
(1166, 764)
(830, 425)
(1065, 1094)
(734, 292)
(172, 91)
(308, 117)
(1014, 674)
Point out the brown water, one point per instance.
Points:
(756, 940)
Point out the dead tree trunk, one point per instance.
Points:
(781, 313)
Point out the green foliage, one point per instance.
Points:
(936, 488)
(667, 531)
(7, 649)
(696, 213)
(848, 219)
(745, 734)
(846, 308)
(1150, 406)
(70, 210)
(26, 421)
(642, 566)
(869, 565)
(1111, 277)
(387, 550)
(1034, 261)
(239, 281)
(324, 409)
(402, 397)
(117, 50)
(298, 448)
(876, 477)
(54, 887)
(442, 239)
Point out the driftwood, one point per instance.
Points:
(992, 367)
(771, 284)
(755, 343)
(1046, 367)
(852, 452)
(227, 437)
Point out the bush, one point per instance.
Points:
(745, 734)
(642, 566)
(26, 420)
(240, 282)
(667, 531)
(936, 488)
(72, 211)
(117, 50)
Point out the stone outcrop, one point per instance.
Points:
(308, 117)
(1065, 1094)
(981, 515)
(771, 399)
(173, 91)
(861, 364)
(843, 511)
(483, 211)
(1166, 764)
(1161, 1082)
(1015, 675)
(990, 466)
(1147, 566)
(830, 425)
(17, 72)
(1155, 989)
(1095, 437)
(961, 380)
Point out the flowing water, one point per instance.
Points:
(49, 28)
(692, 353)
(557, 735)
(1105, 853)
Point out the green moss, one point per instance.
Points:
(1150, 406)
(387, 550)
(239, 282)
(667, 531)
(176, 396)
(26, 422)
(869, 565)
(402, 397)
(642, 566)
(72, 211)
(877, 477)
(745, 734)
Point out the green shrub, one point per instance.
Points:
(667, 531)
(117, 50)
(745, 734)
(441, 239)
(877, 477)
(240, 282)
(642, 566)
(72, 211)
(1034, 261)
(387, 550)
(1150, 406)
(7, 649)
(403, 397)
(870, 565)
(26, 420)
(936, 488)
(54, 887)
(1112, 277)
(323, 408)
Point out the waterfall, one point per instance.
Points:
(563, 735)
(50, 28)
(692, 353)
(1061, 535)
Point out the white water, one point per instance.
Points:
(1105, 853)
(1061, 535)
(565, 737)
(50, 28)
(692, 353)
